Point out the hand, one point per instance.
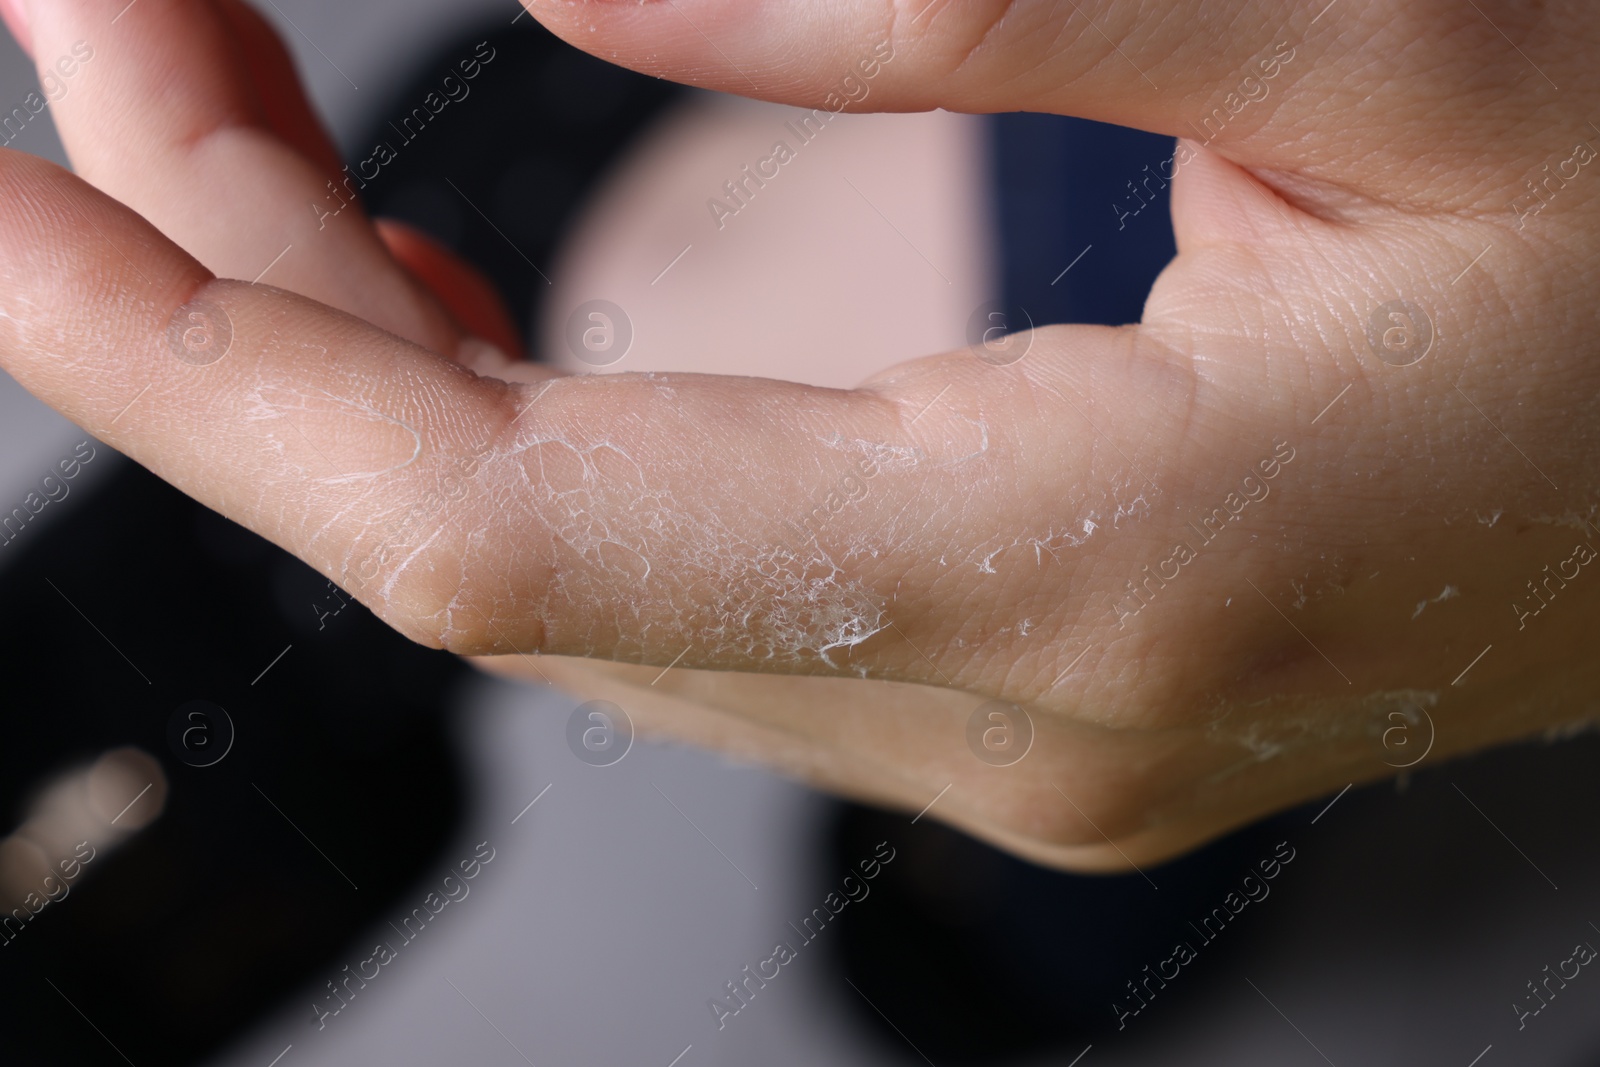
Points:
(838, 580)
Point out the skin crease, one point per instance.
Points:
(614, 525)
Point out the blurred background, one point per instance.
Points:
(223, 783)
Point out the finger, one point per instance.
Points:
(314, 421)
(911, 750)
(1117, 62)
(282, 100)
(706, 521)
(15, 16)
(1250, 79)
(460, 287)
(189, 111)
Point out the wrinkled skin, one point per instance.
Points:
(601, 528)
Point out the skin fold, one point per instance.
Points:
(969, 531)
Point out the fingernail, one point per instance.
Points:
(15, 14)
(480, 356)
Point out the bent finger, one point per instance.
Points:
(731, 523)
(191, 113)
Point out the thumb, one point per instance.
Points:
(1132, 64)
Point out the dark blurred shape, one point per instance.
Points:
(1062, 185)
(500, 175)
(215, 912)
(979, 957)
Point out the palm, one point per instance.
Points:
(1236, 572)
(1224, 561)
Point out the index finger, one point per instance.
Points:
(637, 517)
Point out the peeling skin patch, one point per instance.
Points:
(387, 589)
(975, 441)
(1055, 540)
(1052, 542)
(691, 572)
(1281, 726)
(813, 607)
(886, 456)
(1449, 592)
(319, 423)
(1571, 518)
(1137, 508)
(1333, 585)
(1578, 727)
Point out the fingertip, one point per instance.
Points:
(728, 46)
(64, 246)
(15, 15)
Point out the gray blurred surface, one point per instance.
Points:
(32, 436)
(604, 923)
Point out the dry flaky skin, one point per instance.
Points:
(991, 554)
